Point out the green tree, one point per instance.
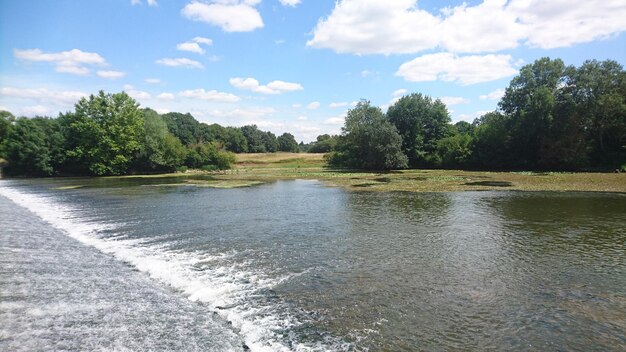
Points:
(255, 139)
(325, 143)
(491, 138)
(209, 156)
(421, 122)
(454, 151)
(287, 143)
(34, 147)
(104, 134)
(160, 149)
(529, 103)
(368, 141)
(184, 127)
(6, 120)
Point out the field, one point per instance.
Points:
(281, 166)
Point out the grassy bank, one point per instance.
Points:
(252, 169)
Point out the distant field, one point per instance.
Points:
(252, 169)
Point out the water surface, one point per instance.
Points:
(298, 266)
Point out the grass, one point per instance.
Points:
(253, 169)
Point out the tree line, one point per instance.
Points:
(551, 117)
(108, 134)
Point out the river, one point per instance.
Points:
(106, 264)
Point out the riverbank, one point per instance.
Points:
(251, 169)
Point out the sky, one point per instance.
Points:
(292, 66)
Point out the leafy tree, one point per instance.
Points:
(104, 134)
(269, 142)
(454, 151)
(184, 127)
(529, 102)
(287, 143)
(234, 140)
(209, 155)
(6, 119)
(34, 147)
(160, 149)
(491, 138)
(421, 122)
(255, 139)
(368, 141)
(325, 143)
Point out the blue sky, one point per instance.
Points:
(289, 65)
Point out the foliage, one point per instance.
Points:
(184, 127)
(209, 156)
(104, 134)
(160, 149)
(421, 122)
(287, 143)
(34, 147)
(368, 141)
(325, 143)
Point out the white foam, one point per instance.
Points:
(217, 286)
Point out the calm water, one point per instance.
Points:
(297, 266)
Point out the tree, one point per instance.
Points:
(368, 141)
(254, 136)
(421, 122)
(209, 156)
(160, 149)
(104, 134)
(34, 147)
(184, 127)
(287, 143)
(529, 102)
(269, 141)
(325, 143)
(6, 120)
(491, 139)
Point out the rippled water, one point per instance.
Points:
(298, 266)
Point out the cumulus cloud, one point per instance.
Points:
(229, 15)
(401, 27)
(399, 93)
(211, 95)
(165, 96)
(152, 80)
(72, 61)
(274, 87)
(292, 3)
(180, 62)
(454, 100)
(192, 47)
(43, 94)
(313, 105)
(495, 95)
(336, 121)
(465, 70)
(149, 2)
(111, 74)
(338, 105)
(203, 40)
(244, 114)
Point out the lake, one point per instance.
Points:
(296, 266)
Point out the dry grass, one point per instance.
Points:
(251, 169)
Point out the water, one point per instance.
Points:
(296, 266)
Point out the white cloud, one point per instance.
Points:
(72, 61)
(137, 94)
(166, 96)
(495, 95)
(401, 27)
(399, 93)
(229, 15)
(296, 106)
(138, 2)
(338, 105)
(183, 62)
(244, 114)
(211, 95)
(454, 100)
(314, 105)
(335, 120)
(111, 74)
(203, 40)
(279, 41)
(37, 110)
(302, 118)
(292, 3)
(274, 87)
(44, 95)
(152, 80)
(368, 73)
(192, 47)
(470, 117)
(462, 69)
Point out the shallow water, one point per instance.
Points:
(297, 266)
